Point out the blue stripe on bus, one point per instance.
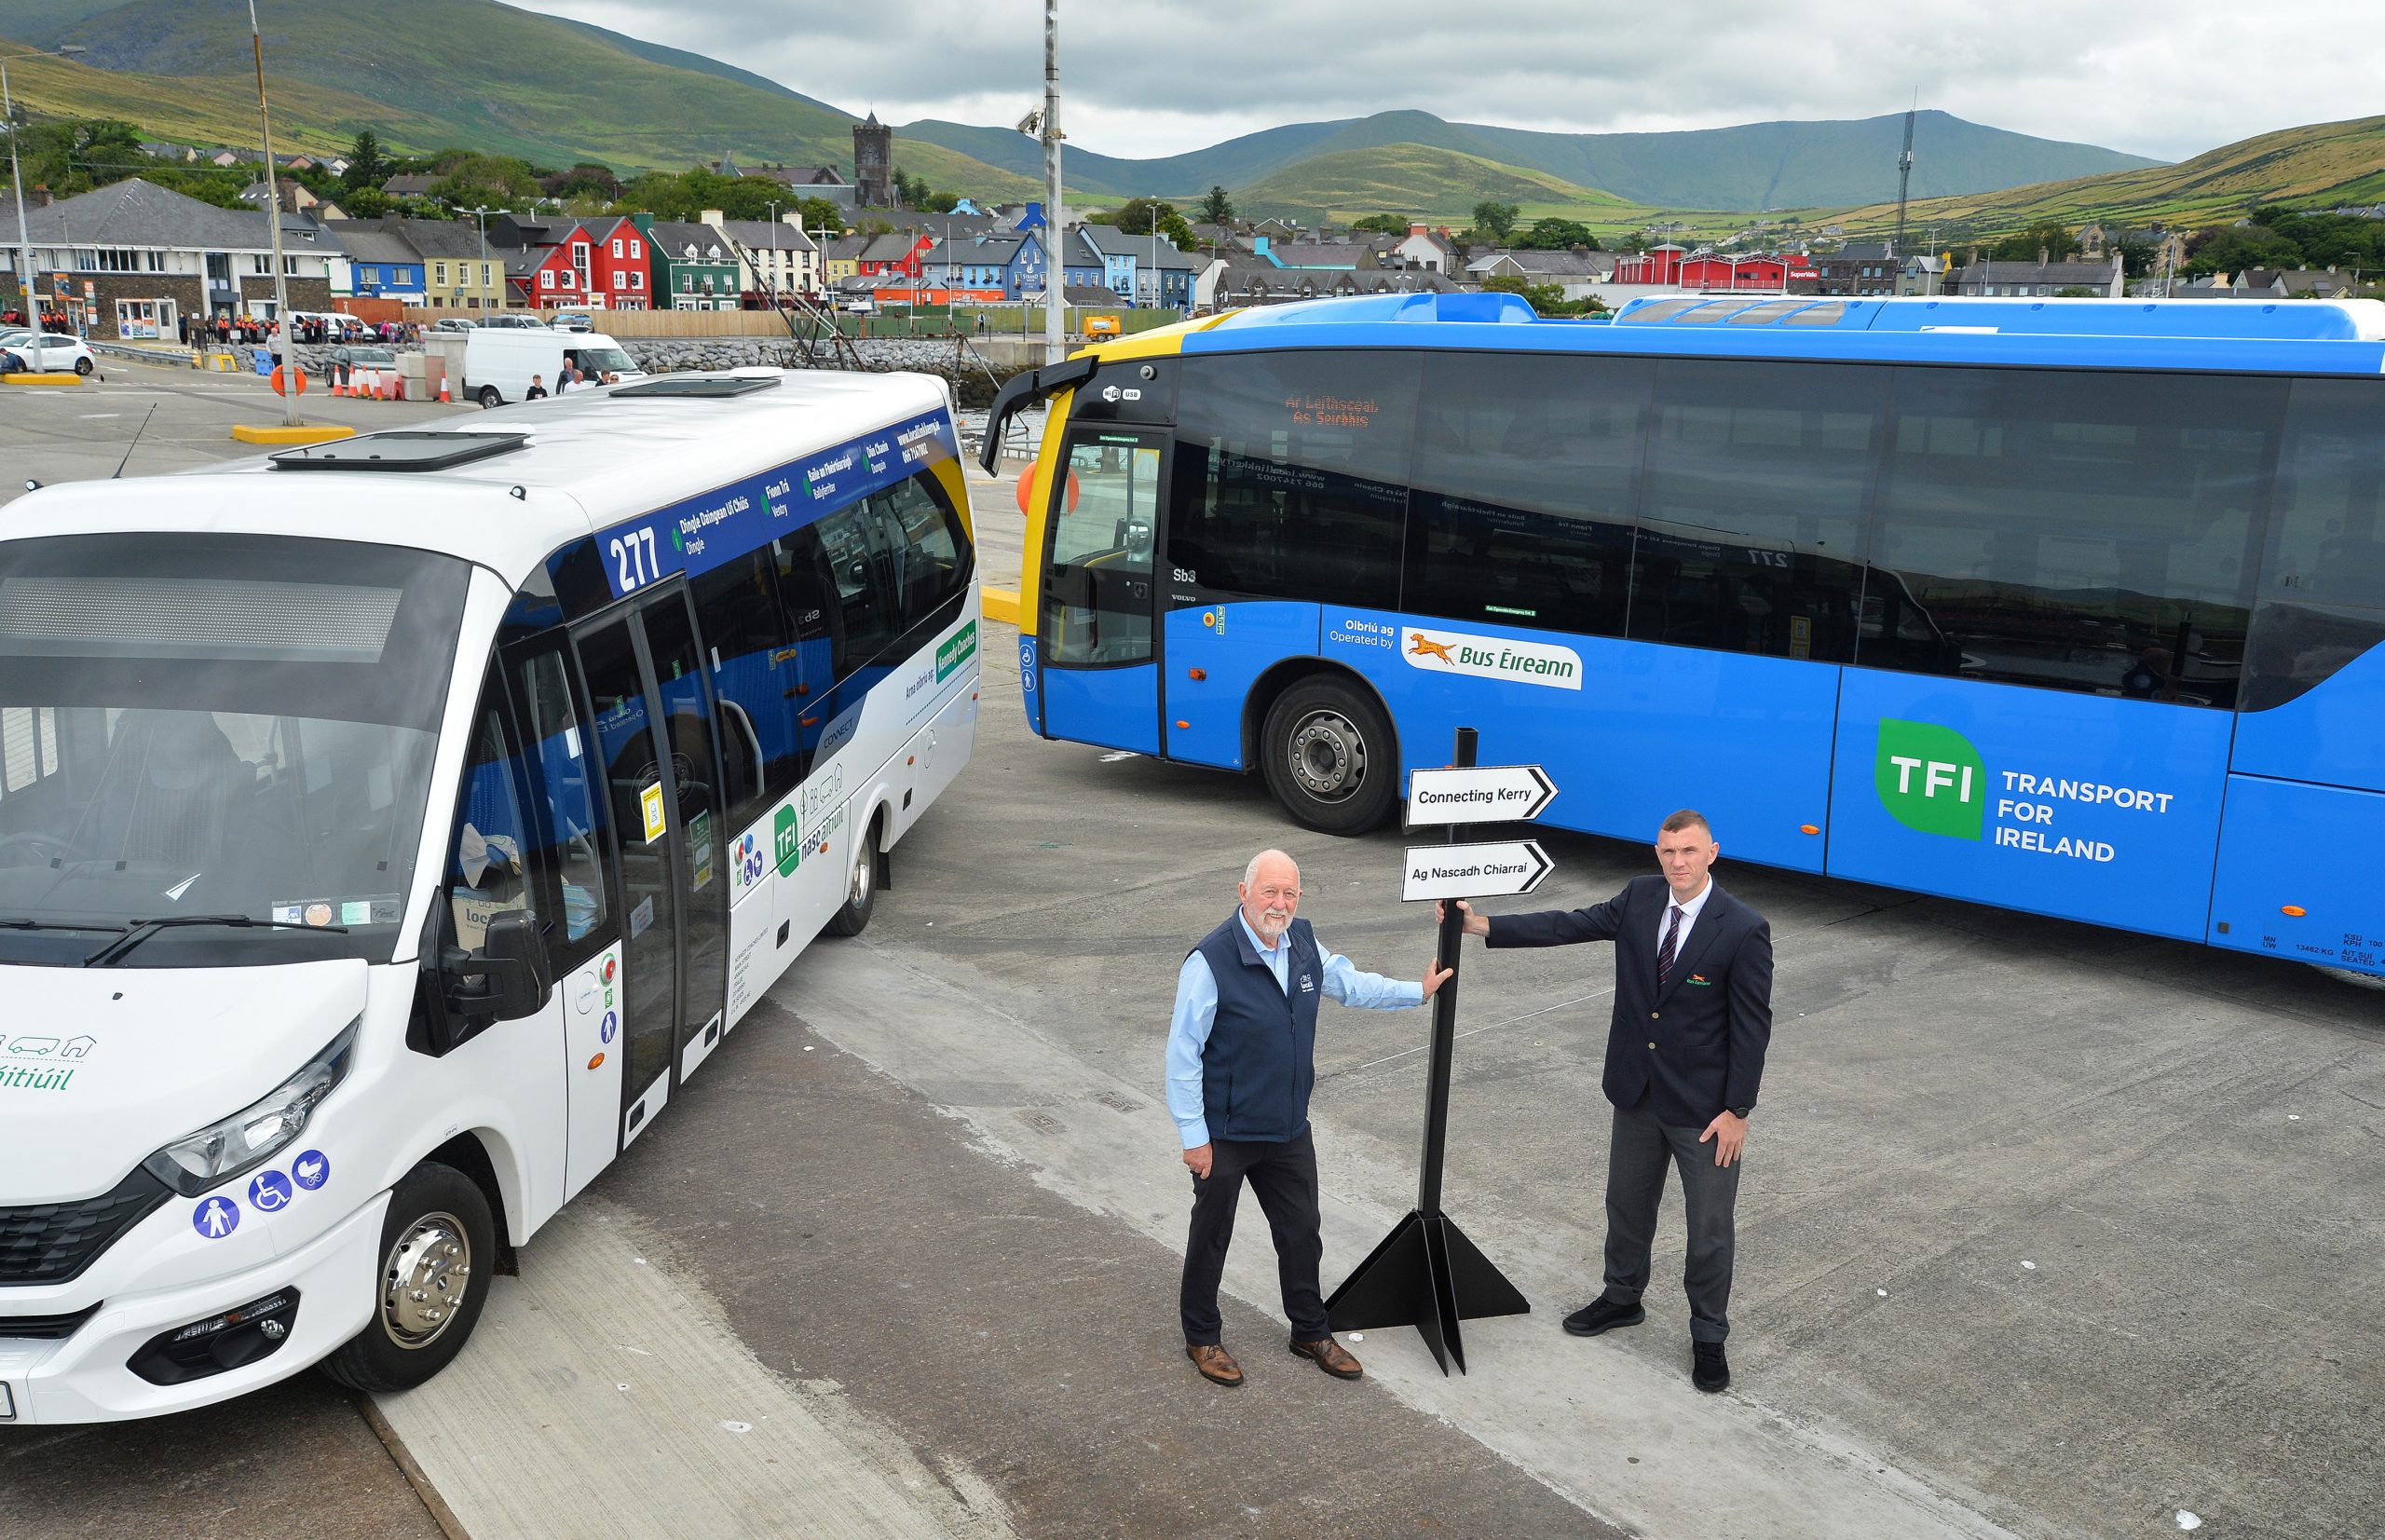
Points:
(1231, 644)
(703, 532)
(2293, 879)
(2252, 355)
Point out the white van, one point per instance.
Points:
(370, 881)
(498, 361)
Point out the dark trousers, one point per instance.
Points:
(1635, 1185)
(1284, 1175)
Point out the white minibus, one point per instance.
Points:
(500, 362)
(389, 827)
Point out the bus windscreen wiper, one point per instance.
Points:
(142, 930)
(19, 922)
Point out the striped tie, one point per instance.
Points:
(1665, 952)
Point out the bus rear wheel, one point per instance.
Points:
(438, 1251)
(1330, 757)
(860, 884)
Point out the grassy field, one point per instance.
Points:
(2320, 164)
(1419, 180)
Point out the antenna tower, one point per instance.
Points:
(1904, 178)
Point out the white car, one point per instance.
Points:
(51, 353)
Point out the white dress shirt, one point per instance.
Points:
(1688, 918)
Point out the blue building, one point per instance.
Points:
(381, 263)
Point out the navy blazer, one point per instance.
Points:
(1694, 1047)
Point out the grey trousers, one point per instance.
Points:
(1635, 1185)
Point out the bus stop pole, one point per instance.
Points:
(1426, 1273)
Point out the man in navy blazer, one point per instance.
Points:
(1684, 1056)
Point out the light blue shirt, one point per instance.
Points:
(1196, 1013)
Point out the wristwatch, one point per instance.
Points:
(1741, 1112)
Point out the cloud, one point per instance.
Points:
(1163, 76)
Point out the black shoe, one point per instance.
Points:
(1604, 1315)
(1712, 1371)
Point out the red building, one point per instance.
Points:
(1709, 272)
(894, 254)
(1657, 264)
(603, 262)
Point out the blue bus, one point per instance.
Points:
(2076, 606)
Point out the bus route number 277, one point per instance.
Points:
(633, 559)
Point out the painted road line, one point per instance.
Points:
(961, 1038)
(601, 1396)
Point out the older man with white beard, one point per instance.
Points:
(1241, 1059)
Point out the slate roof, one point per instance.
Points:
(674, 237)
(757, 235)
(372, 240)
(139, 213)
(409, 186)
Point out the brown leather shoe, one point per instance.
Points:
(1329, 1355)
(1215, 1363)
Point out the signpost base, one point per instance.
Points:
(1426, 1275)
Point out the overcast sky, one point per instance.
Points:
(1150, 77)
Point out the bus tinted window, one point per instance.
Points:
(2086, 532)
(747, 647)
(859, 566)
(929, 552)
(1751, 519)
(1526, 471)
(1291, 475)
(2327, 533)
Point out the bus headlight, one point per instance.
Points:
(251, 1137)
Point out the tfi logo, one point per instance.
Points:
(1930, 778)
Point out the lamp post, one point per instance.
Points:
(17, 176)
(273, 223)
(480, 213)
(771, 287)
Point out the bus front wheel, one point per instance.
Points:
(438, 1250)
(1329, 757)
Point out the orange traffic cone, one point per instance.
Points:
(443, 399)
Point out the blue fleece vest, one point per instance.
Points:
(1260, 1059)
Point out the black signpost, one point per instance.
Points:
(1426, 1273)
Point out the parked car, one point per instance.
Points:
(513, 320)
(453, 324)
(572, 321)
(50, 352)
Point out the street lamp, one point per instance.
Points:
(480, 216)
(17, 175)
(771, 287)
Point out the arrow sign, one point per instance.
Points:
(1487, 794)
(1493, 870)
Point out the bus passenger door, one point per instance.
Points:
(653, 740)
(1100, 673)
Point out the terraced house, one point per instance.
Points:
(694, 265)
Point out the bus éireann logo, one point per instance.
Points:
(1930, 779)
(1518, 662)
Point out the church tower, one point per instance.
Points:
(873, 164)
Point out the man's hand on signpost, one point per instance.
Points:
(1475, 925)
(1729, 1132)
(1436, 976)
(1198, 1158)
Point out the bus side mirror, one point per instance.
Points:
(509, 978)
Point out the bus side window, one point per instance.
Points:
(755, 675)
(862, 588)
(569, 850)
(930, 554)
(814, 618)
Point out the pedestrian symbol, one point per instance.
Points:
(215, 1218)
(268, 1191)
(611, 1024)
(311, 1169)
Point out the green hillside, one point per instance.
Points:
(484, 76)
(216, 109)
(1752, 166)
(2318, 165)
(1411, 179)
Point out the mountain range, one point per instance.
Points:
(484, 76)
